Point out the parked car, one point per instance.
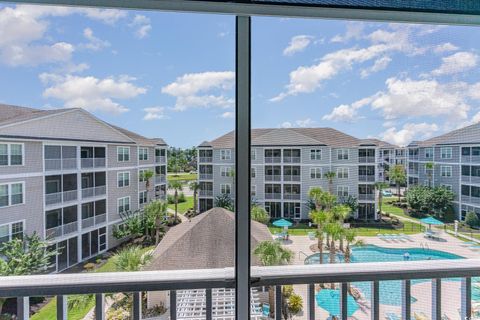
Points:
(387, 193)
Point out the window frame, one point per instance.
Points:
(123, 154)
(10, 194)
(122, 173)
(9, 154)
(314, 173)
(443, 173)
(341, 154)
(224, 187)
(10, 228)
(225, 154)
(315, 153)
(446, 155)
(142, 153)
(342, 176)
(123, 204)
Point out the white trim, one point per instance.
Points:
(9, 154)
(129, 204)
(9, 193)
(123, 155)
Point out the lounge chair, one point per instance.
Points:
(311, 236)
(266, 310)
(392, 316)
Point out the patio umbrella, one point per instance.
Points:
(282, 223)
(329, 299)
(431, 221)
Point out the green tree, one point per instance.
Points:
(175, 186)
(316, 194)
(146, 176)
(195, 187)
(259, 214)
(330, 176)
(27, 256)
(471, 219)
(131, 258)
(440, 199)
(339, 214)
(156, 212)
(350, 238)
(417, 198)
(292, 303)
(429, 169)
(398, 176)
(271, 253)
(320, 218)
(380, 186)
(224, 201)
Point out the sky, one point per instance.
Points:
(171, 75)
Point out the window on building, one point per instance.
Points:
(465, 190)
(141, 175)
(465, 170)
(342, 191)
(11, 194)
(446, 171)
(429, 153)
(342, 154)
(253, 154)
(226, 154)
(253, 172)
(11, 231)
(123, 179)
(253, 190)
(315, 173)
(142, 154)
(142, 197)
(465, 151)
(225, 171)
(11, 154)
(123, 204)
(475, 171)
(225, 188)
(342, 173)
(446, 153)
(123, 154)
(475, 191)
(476, 151)
(447, 186)
(315, 154)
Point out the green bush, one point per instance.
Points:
(181, 197)
(471, 219)
(170, 199)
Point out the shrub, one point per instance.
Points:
(170, 199)
(259, 214)
(224, 201)
(181, 197)
(295, 303)
(89, 266)
(471, 219)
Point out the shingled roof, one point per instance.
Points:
(206, 241)
(469, 134)
(296, 137)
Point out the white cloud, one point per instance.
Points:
(23, 26)
(379, 65)
(297, 44)
(306, 79)
(154, 113)
(142, 26)
(409, 132)
(91, 93)
(298, 123)
(445, 47)
(201, 90)
(354, 31)
(228, 115)
(456, 63)
(347, 113)
(94, 43)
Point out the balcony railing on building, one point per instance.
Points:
(205, 159)
(60, 197)
(160, 178)
(271, 196)
(471, 179)
(273, 159)
(94, 221)
(367, 159)
(160, 159)
(62, 230)
(60, 164)
(470, 199)
(291, 159)
(291, 177)
(291, 196)
(94, 192)
(206, 193)
(206, 176)
(366, 196)
(87, 163)
(273, 177)
(366, 178)
(192, 306)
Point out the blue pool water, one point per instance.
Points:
(390, 291)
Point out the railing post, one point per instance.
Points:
(466, 296)
(173, 305)
(375, 304)
(208, 304)
(311, 301)
(343, 300)
(23, 308)
(436, 299)
(406, 300)
(278, 302)
(99, 306)
(62, 310)
(137, 306)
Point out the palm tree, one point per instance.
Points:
(146, 176)
(194, 186)
(271, 253)
(320, 218)
(380, 186)
(156, 210)
(429, 167)
(132, 258)
(330, 175)
(317, 195)
(350, 236)
(339, 214)
(176, 186)
(397, 175)
(335, 231)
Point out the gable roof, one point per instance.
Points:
(469, 134)
(296, 137)
(206, 241)
(10, 114)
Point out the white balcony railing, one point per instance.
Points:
(206, 176)
(160, 159)
(273, 177)
(161, 178)
(59, 197)
(62, 285)
(60, 164)
(291, 159)
(87, 163)
(366, 178)
(291, 196)
(273, 159)
(206, 193)
(366, 196)
(205, 159)
(291, 177)
(366, 159)
(62, 230)
(273, 196)
(94, 192)
(94, 221)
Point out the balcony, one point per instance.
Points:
(94, 192)
(205, 159)
(291, 159)
(362, 159)
(88, 163)
(60, 164)
(94, 221)
(206, 193)
(366, 196)
(160, 178)
(366, 178)
(60, 197)
(273, 177)
(62, 285)
(273, 196)
(289, 177)
(291, 196)
(62, 230)
(206, 176)
(160, 159)
(273, 159)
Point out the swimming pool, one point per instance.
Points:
(390, 291)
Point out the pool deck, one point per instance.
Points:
(300, 245)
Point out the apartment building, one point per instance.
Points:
(454, 160)
(287, 163)
(69, 176)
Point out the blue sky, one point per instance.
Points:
(172, 75)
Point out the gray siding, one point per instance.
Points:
(32, 159)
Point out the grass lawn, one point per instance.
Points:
(183, 206)
(182, 177)
(49, 311)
